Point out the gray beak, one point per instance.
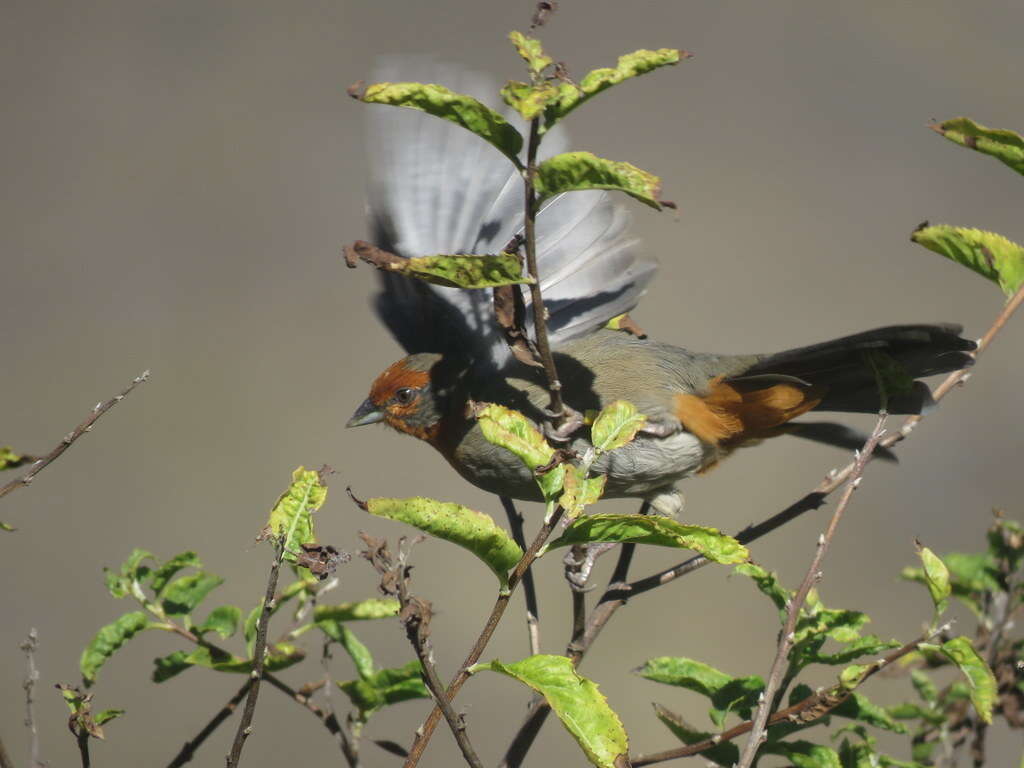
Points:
(367, 413)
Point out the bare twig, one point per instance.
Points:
(258, 654)
(425, 731)
(515, 524)
(812, 708)
(31, 678)
(5, 759)
(540, 323)
(796, 603)
(71, 437)
(189, 749)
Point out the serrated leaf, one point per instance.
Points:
(386, 687)
(530, 50)
(989, 254)
(804, 754)
(583, 710)
(616, 425)
(530, 100)
(725, 754)
(514, 432)
(1006, 146)
(11, 460)
(330, 618)
(578, 491)
(936, 579)
(467, 270)
(726, 693)
(164, 573)
(183, 595)
(468, 528)
(107, 641)
(594, 82)
(457, 108)
(572, 171)
(658, 531)
(768, 584)
(981, 681)
(223, 620)
(292, 515)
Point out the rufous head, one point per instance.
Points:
(405, 398)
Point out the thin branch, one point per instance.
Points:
(82, 737)
(31, 678)
(5, 759)
(189, 749)
(71, 437)
(259, 653)
(515, 524)
(540, 323)
(425, 731)
(539, 710)
(796, 603)
(812, 708)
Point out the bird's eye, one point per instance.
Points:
(405, 395)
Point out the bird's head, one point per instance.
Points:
(406, 397)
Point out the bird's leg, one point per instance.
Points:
(579, 562)
(668, 502)
(573, 420)
(660, 428)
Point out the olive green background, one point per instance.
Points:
(178, 179)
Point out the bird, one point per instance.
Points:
(436, 188)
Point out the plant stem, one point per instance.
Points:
(425, 731)
(189, 749)
(515, 524)
(40, 464)
(796, 603)
(540, 322)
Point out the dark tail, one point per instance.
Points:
(852, 372)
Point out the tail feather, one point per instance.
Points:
(847, 371)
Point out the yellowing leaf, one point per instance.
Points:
(514, 432)
(990, 255)
(531, 51)
(292, 515)
(572, 171)
(467, 270)
(982, 682)
(616, 425)
(1003, 145)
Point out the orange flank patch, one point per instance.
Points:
(733, 413)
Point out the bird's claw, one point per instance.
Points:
(579, 562)
(659, 429)
(572, 420)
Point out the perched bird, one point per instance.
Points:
(437, 188)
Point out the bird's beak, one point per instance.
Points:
(367, 413)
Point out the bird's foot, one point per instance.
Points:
(579, 562)
(660, 429)
(571, 421)
(667, 502)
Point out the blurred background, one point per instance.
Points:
(178, 181)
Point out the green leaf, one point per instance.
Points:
(166, 667)
(292, 515)
(11, 460)
(250, 626)
(594, 82)
(467, 270)
(359, 653)
(222, 620)
(573, 171)
(279, 656)
(659, 531)
(838, 624)
(107, 641)
(183, 595)
(386, 687)
(514, 432)
(726, 693)
(936, 578)
(458, 108)
(1003, 145)
(804, 754)
(858, 707)
(107, 715)
(531, 51)
(163, 575)
(869, 645)
(924, 686)
(579, 492)
(460, 525)
(616, 426)
(329, 618)
(530, 100)
(990, 255)
(767, 583)
(982, 682)
(583, 710)
(725, 754)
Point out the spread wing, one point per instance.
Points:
(437, 188)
